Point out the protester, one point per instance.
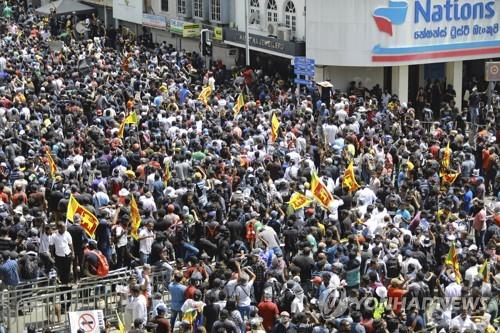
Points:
(262, 207)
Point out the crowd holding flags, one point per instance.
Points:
(240, 102)
(205, 94)
(130, 119)
(452, 260)
(275, 126)
(89, 222)
(135, 218)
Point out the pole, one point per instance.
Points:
(247, 39)
(105, 17)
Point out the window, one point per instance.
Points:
(164, 5)
(272, 11)
(181, 7)
(215, 15)
(254, 12)
(290, 16)
(198, 8)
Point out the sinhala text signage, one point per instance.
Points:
(406, 31)
(186, 29)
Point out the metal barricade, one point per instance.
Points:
(45, 304)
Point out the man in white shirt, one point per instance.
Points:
(463, 322)
(63, 252)
(137, 307)
(146, 238)
(44, 248)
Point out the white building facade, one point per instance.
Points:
(400, 44)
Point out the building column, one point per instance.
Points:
(400, 82)
(319, 74)
(457, 82)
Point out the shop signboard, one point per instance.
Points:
(154, 21)
(128, 10)
(381, 32)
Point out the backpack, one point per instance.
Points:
(393, 267)
(103, 166)
(285, 301)
(29, 268)
(102, 268)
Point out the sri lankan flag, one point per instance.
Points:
(452, 260)
(320, 191)
(446, 156)
(484, 271)
(448, 177)
(275, 126)
(298, 201)
(135, 218)
(130, 119)
(205, 94)
(52, 164)
(167, 175)
(349, 181)
(89, 222)
(240, 102)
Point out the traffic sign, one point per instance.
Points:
(87, 322)
(307, 72)
(90, 321)
(302, 81)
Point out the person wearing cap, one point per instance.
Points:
(161, 320)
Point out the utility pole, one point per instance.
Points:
(247, 39)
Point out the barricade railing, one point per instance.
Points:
(45, 305)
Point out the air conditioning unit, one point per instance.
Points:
(272, 29)
(284, 34)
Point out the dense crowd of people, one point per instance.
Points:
(226, 193)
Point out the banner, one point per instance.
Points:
(128, 10)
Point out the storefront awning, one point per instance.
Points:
(64, 7)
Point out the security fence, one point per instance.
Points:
(42, 303)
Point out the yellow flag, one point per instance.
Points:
(275, 125)
(350, 179)
(121, 327)
(52, 164)
(446, 156)
(320, 191)
(448, 177)
(298, 201)
(135, 217)
(484, 271)
(452, 260)
(240, 102)
(130, 119)
(205, 94)
(167, 175)
(89, 222)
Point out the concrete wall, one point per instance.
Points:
(341, 76)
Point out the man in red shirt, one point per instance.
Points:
(396, 294)
(268, 311)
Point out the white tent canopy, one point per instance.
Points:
(64, 7)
